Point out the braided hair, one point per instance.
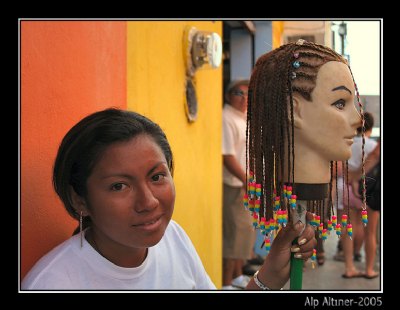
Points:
(277, 76)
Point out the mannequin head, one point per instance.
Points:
(301, 115)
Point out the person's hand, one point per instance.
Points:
(276, 268)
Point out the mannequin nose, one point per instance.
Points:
(355, 118)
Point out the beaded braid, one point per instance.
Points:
(277, 75)
(270, 157)
(364, 188)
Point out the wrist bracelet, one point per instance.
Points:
(258, 282)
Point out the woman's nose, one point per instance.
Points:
(145, 200)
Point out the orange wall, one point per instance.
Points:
(68, 70)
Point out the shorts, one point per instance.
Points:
(238, 232)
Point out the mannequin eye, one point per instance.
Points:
(340, 104)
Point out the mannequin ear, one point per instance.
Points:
(79, 203)
(297, 111)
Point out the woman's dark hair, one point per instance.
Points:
(368, 124)
(85, 142)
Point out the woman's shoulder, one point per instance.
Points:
(174, 229)
(177, 236)
(48, 265)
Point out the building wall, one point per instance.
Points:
(70, 69)
(156, 88)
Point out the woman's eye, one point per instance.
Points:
(118, 187)
(157, 177)
(340, 104)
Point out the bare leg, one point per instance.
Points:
(370, 242)
(350, 269)
(358, 230)
(227, 271)
(238, 269)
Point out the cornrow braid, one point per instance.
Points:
(278, 76)
(270, 131)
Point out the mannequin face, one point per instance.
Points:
(328, 123)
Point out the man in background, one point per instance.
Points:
(238, 233)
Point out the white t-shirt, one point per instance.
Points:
(355, 160)
(172, 264)
(233, 141)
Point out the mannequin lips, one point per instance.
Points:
(349, 139)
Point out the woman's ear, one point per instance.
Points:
(297, 111)
(79, 203)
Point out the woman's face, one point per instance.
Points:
(131, 193)
(330, 121)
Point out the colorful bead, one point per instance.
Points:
(344, 220)
(251, 176)
(320, 229)
(251, 205)
(246, 201)
(293, 201)
(324, 234)
(314, 258)
(273, 224)
(296, 64)
(350, 230)
(313, 221)
(364, 217)
(317, 220)
(329, 226)
(284, 218)
(255, 220)
(338, 230)
(279, 217)
(262, 223)
(267, 244)
(288, 192)
(252, 189)
(257, 205)
(267, 227)
(334, 221)
(258, 190)
(277, 204)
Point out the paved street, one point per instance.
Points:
(329, 275)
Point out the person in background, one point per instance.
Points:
(373, 200)
(238, 232)
(352, 247)
(113, 173)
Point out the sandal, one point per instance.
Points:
(356, 274)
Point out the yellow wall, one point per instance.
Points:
(156, 88)
(277, 33)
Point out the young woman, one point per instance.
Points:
(113, 172)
